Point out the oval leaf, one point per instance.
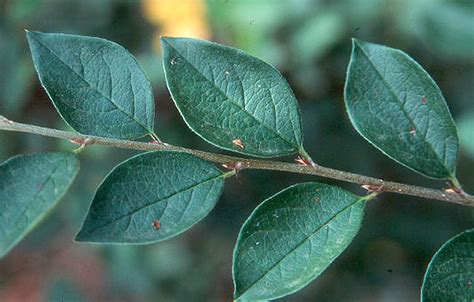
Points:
(292, 237)
(152, 197)
(96, 85)
(30, 186)
(396, 106)
(450, 274)
(231, 99)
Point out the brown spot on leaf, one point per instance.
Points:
(156, 224)
(424, 100)
(238, 143)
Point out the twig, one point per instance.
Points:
(369, 183)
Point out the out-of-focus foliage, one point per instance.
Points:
(309, 41)
(64, 290)
(186, 18)
(466, 133)
(447, 29)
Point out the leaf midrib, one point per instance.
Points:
(154, 202)
(407, 116)
(93, 87)
(231, 101)
(314, 233)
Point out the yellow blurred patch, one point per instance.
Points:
(185, 18)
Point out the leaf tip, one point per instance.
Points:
(174, 41)
(357, 43)
(83, 235)
(92, 237)
(80, 237)
(32, 33)
(31, 36)
(167, 40)
(237, 295)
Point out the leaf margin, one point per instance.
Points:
(434, 258)
(356, 43)
(40, 218)
(298, 147)
(149, 129)
(79, 239)
(357, 200)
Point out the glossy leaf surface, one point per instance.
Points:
(396, 106)
(30, 186)
(95, 84)
(151, 197)
(293, 237)
(231, 99)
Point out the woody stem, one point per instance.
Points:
(369, 182)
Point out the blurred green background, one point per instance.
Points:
(309, 41)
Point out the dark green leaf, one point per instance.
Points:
(450, 274)
(152, 197)
(292, 237)
(96, 85)
(396, 106)
(30, 186)
(231, 99)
